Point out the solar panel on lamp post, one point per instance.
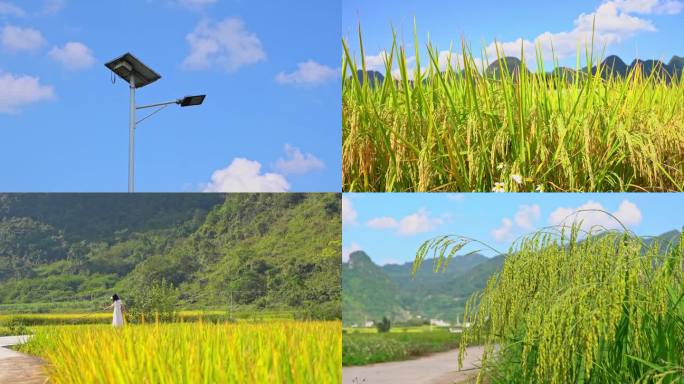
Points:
(138, 75)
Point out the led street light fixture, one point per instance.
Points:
(189, 101)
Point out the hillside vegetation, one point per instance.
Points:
(371, 291)
(254, 250)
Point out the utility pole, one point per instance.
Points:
(138, 75)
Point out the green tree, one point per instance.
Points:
(384, 325)
(155, 301)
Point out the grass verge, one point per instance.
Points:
(368, 348)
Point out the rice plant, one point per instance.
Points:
(272, 352)
(182, 316)
(571, 307)
(454, 125)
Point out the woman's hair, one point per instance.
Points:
(115, 297)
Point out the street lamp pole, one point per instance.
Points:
(131, 139)
(138, 75)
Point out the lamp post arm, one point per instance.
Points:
(158, 104)
(153, 113)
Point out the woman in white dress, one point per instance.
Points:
(119, 309)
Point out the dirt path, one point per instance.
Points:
(17, 367)
(439, 368)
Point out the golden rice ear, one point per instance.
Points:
(566, 130)
(566, 291)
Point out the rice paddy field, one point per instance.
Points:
(574, 308)
(256, 352)
(34, 319)
(453, 125)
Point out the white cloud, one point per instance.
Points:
(309, 73)
(382, 223)
(349, 214)
(444, 58)
(227, 45)
(510, 48)
(73, 56)
(524, 219)
(628, 213)
(244, 175)
(671, 7)
(21, 39)
(504, 232)
(19, 91)
(616, 21)
(375, 62)
(389, 261)
(9, 9)
(455, 196)
(346, 251)
(455, 61)
(51, 7)
(527, 215)
(410, 69)
(419, 222)
(298, 163)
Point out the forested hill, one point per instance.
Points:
(267, 250)
(94, 217)
(371, 291)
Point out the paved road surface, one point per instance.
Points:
(18, 368)
(439, 368)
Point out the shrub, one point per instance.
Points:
(155, 301)
(384, 325)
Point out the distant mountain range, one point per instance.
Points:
(370, 291)
(611, 64)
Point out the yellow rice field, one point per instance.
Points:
(268, 352)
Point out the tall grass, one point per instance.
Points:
(450, 125)
(606, 309)
(275, 352)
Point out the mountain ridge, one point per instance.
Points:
(612, 64)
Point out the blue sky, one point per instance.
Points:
(391, 227)
(271, 120)
(647, 28)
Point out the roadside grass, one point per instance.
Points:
(362, 348)
(449, 126)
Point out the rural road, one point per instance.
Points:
(438, 368)
(17, 367)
